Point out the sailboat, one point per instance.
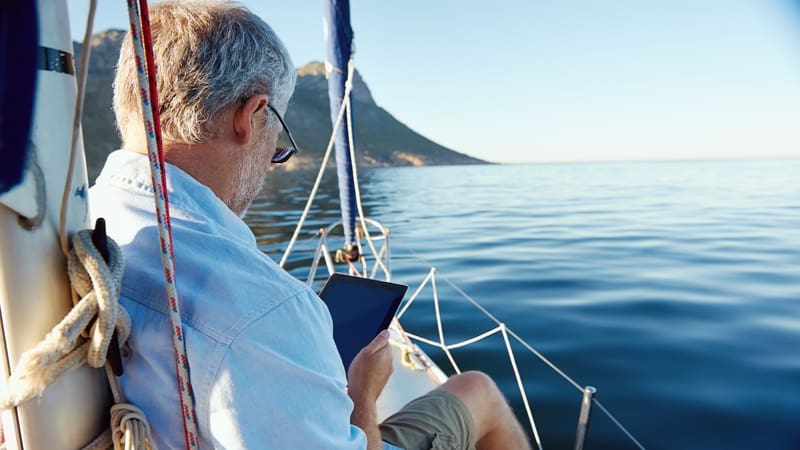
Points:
(35, 293)
(48, 202)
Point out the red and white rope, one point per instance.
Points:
(143, 48)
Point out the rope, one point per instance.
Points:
(66, 195)
(98, 283)
(130, 430)
(506, 332)
(378, 262)
(143, 47)
(318, 181)
(60, 350)
(477, 305)
(521, 386)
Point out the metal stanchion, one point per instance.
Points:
(585, 416)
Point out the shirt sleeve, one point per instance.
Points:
(281, 384)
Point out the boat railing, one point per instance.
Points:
(375, 260)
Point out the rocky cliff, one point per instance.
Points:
(381, 140)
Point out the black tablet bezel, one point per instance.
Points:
(397, 292)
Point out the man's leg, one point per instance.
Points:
(495, 423)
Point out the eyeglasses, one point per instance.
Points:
(282, 154)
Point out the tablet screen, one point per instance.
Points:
(360, 309)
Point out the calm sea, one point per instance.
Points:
(673, 288)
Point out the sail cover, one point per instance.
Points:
(18, 64)
(339, 39)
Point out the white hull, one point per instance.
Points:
(414, 374)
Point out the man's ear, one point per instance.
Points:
(247, 116)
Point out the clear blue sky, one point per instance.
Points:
(531, 81)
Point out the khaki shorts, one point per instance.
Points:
(437, 421)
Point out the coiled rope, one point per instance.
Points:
(98, 283)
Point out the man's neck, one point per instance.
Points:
(209, 163)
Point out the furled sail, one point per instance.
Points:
(19, 51)
(339, 39)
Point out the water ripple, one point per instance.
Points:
(671, 287)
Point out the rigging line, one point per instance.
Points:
(523, 394)
(312, 271)
(143, 48)
(475, 339)
(356, 187)
(349, 86)
(439, 325)
(415, 294)
(511, 332)
(382, 254)
(66, 195)
(317, 182)
(532, 350)
(424, 340)
(545, 360)
(618, 424)
(354, 269)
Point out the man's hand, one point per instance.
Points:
(370, 369)
(367, 376)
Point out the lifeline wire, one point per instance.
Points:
(510, 332)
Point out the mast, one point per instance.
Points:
(339, 39)
(34, 288)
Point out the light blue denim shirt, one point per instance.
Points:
(264, 367)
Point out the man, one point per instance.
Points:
(264, 368)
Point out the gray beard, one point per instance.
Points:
(251, 173)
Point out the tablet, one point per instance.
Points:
(360, 309)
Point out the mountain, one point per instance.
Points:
(381, 140)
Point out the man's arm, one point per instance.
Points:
(281, 384)
(367, 376)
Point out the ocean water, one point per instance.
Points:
(671, 287)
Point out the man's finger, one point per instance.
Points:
(380, 341)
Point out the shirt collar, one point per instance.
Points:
(131, 171)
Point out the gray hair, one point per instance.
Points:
(210, 54)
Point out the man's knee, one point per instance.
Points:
(475, 383)
(480, 394)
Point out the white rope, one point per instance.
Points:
(63, 350)
(378, 262)
(520, 385)
(60, 351)
(439, 325)
(317, 182)
(424, 340)
(66, 195)
(130, 429)
(506, 332)
(510, 332)
(416, 293)
(475, 339)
